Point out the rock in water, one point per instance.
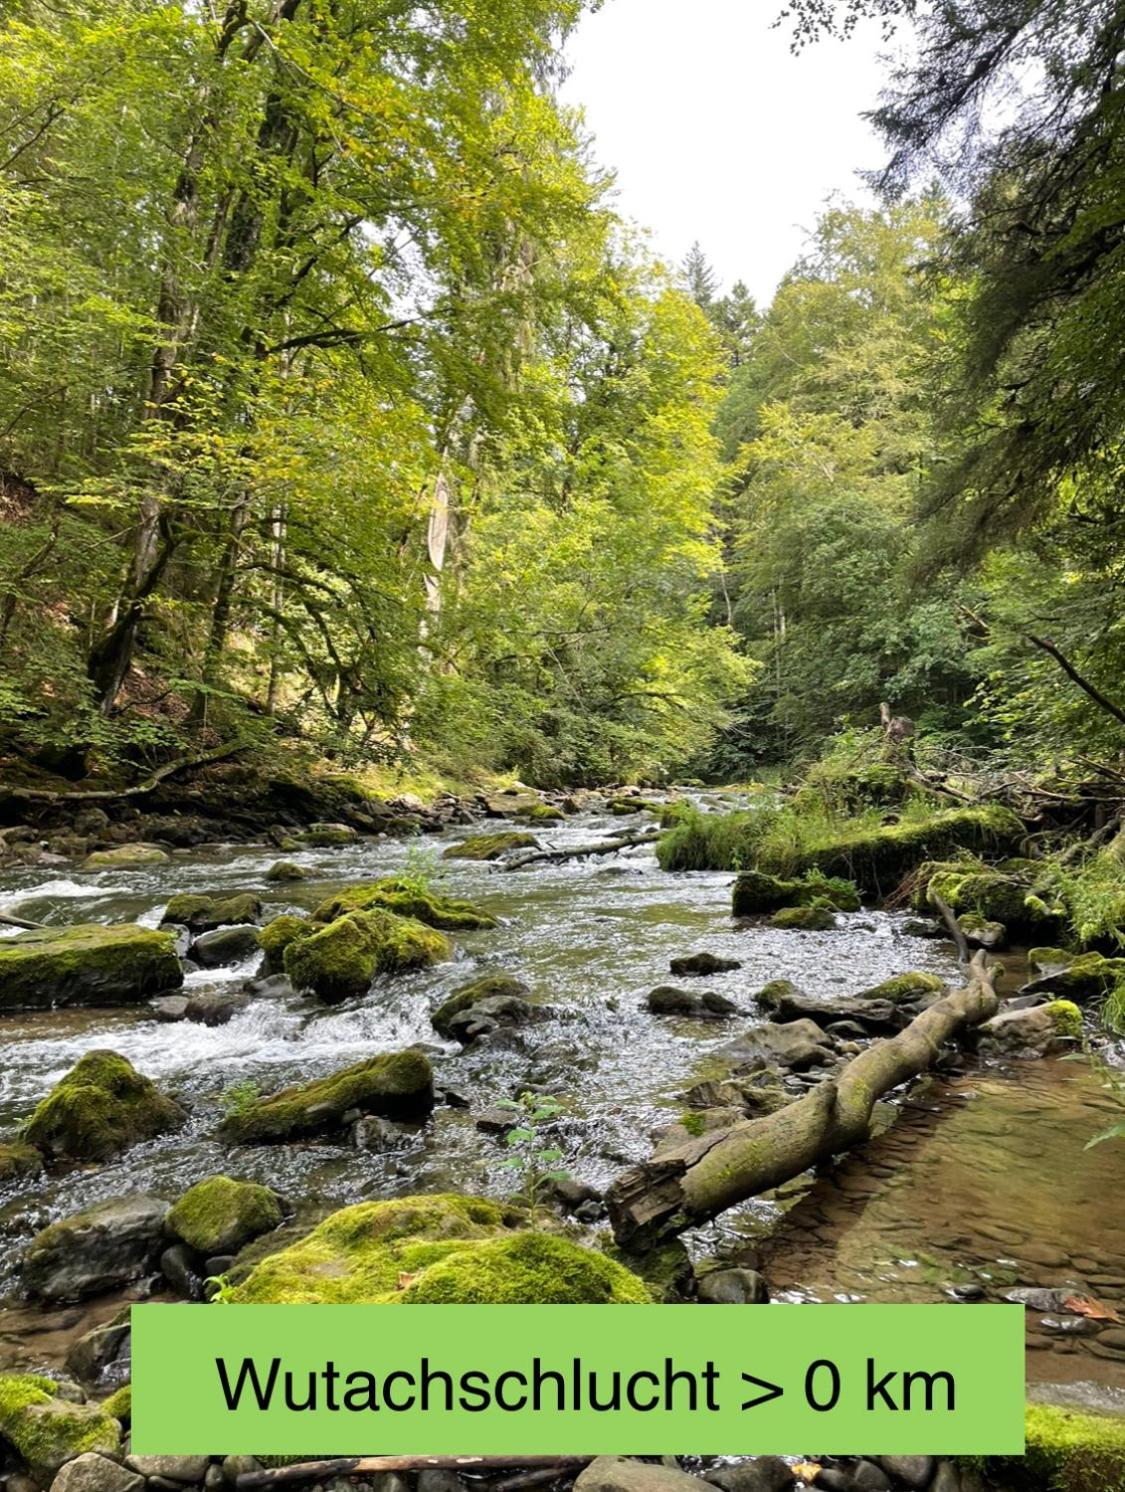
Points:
(702, 964)
(101, 1107)
(97, 1250)
(225, 945)
(205, 913)
(407, 900)
(48, 1429)
(86, 965)
(487, 987)
(490, 846)
(219, 1215)
(397, 1085)
(340, 961)
(703, 1005)
(127, 857)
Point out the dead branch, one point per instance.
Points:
(582, 851)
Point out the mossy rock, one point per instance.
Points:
(756, 892)
(994, 896)
(19, 1162)
(47, 1429)
(490, 846)
(127, 857)
(487, 987)
(89, 964)
(850, 789)
(1049, 960)
(1086, 978)
(448, 1249)
(1067, 1018)
(980, 932)
(205, 913)
(540, 813)
(878, 859)
(119, 1405)
(397, 1085)
(1067, 1451)
(276, 937)
(406, 900)
(220, 1215)
(101, 1107)
(819, 917)
(340, 961)
(327, 836)
(904, 987)
(286, 870)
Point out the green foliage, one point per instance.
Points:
(239, 1098)
(532, 1159)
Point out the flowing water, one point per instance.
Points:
(590, 937)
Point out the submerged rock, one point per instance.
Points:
(47, 1428)
(101, 1107)
(340, 961)
(96, 1250)
(89, 964)
(486, 987)
(442, 1249)
(703, 1004)
(702, 964)
(19, 1162)
(483, 1017)
(490, 846)
(396, 1085)
(407, 901)
(219, 1215)
(204, 913)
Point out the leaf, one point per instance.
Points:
(1114, 1132)
(806, 1471)
(1085, 1305)
(405, 1279)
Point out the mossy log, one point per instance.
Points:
(708, 1174)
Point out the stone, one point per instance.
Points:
(225, 945)
(755, 892)
(127, 857)
(405, 898)
(869, 1477)
(19, 1162)
(485, 987)
(439, 1479)
(101, 1107)
(1038, 1031)
(236, 1466)
(97, 1350)
(341, 960)
(499, 1011)
(181, 1469)
(915, 1471)
(286, 870)
(814, 918)
(618, 1474)
(490, 846)
(92, 1472)
(327, 836)
(47, 1427)
(396, 1085)
(704, 1005)
(797, 1045)
(378, 1136)
(202, 914)
(733, 1287)
(762, 1474)
(980, 932)
(215, 1008)
(170, 1008)
(177, 1265)
(702, 964)
(86, 965)
(97, 1250)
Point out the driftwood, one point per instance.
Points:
(7, 920)
(582, 851)
(311, 1471)
(708, 1174)
(114, 795)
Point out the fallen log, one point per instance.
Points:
(706, 1175)
(139, 790)
(7, 920)
(310, 1471)
(582, 851)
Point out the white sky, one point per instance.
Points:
(717, 132)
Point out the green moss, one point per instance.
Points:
(490, 846)
(904, 987)
(126, 857)
(1044, 959)
(406, 900)
(1087, 977)
(327, 836)
(694, 1121)
(219, 1215)
(991, 895)
(442, 1249)
(89, 964)
(1068, 1451)
(849, 786)
(755, 891)
(398, 1085)
(205, 913)
(342, 959)
(286, 870)
(1067, 1018)
(101, 1107)
(120, 1404)
(19, 1162)
(276, 936)
(527, 1269)
(487, 987)
(817, 917)
(47, 1430)
(540, 813)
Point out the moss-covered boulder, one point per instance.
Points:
(340, 961)
(397, 1085)
(755, 892)
(1086, 978)
(443, 1249)
(407, 900)
(47, 1429)
(1017, 900)
(1067, 1451)
(904, 988)
(19, 1162)
(327, 836)
(980, 932)
(127, 857)
(286, 870)
(101, 1107)
(276, 936)
(89, 964)
(1040, 1031)
(220, 1215)
(817, 917)
(490, 846)
(539, 813)
(120, 1404)
(205, 913)
(877, 859)
(487, 987)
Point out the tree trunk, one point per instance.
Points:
(705, 1176)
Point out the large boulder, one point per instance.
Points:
(1084, 978)
(204, 913)
(1040, 1031)
(485, 987)
(756, 892)
(276, 936)
(436, 1250)
(407, 900)
(219, 1215)
(46, 1427)
(86, 965)
(93, 1472)
(340, 961)
(101, 1107)
(96, 1250)
(127, 857)
(397, 1085)
(1019, 899)
(798, 1045)
(490, 846)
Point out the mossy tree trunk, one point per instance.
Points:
(708, 1174)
